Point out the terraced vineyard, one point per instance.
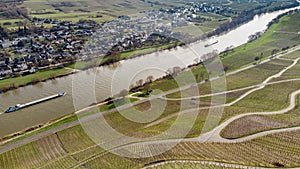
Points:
(73, 148)
(179, 165)
(263, 99)
(243, 79)
(271, 151)
(35, 154)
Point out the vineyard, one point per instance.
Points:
(55, 151)
(242, 79)
(179, 165)
(254, 90)
(72, 147)
(276, 150)
(35, 154)
(293, 55)
(254, 124)
(291, 73)
(267, 99)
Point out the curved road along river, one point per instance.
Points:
(104, 75)
(91, 117)
(213, 136)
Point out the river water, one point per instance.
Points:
(109, 80)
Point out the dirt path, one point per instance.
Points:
(91, 117)
(215, 134)
(254, 89)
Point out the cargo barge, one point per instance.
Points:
(207, 45)
(21, 106)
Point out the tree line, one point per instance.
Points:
(247, 16)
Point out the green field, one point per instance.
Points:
(216, 21)
(292, 73)
(293, 55)
(230, 97)
(100, 11)
(252, 103)
(33, 78)
(73, 148)
(244, 55)
(242, 79)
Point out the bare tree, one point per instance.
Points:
(131, 86)
(169, 71)
(140, 82)
(196, 60)
(176, 70)
(149, 79)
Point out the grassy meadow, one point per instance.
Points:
(72, 147)
(33, 78)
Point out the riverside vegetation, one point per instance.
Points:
(72, 148)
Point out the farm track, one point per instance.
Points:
(74, 123)
(212, 136)
(254, 89)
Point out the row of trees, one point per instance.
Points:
(273, 53)
(140, 83)
(22, 30)
(12, 9)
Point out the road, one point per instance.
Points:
(254, 89)
(91, 117)
(214, 135)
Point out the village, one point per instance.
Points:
(67, 42)
(135, 32)
(60, 44)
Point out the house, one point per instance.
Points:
(20, 66)
(5, 71)
(2, 61)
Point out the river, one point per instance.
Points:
(105, 79)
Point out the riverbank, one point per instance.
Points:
(7, 85)
(244, 55)
(36, 129)
(95, 62)
(45, 75)
(166, 84)
(73, 132)
(32, 79)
